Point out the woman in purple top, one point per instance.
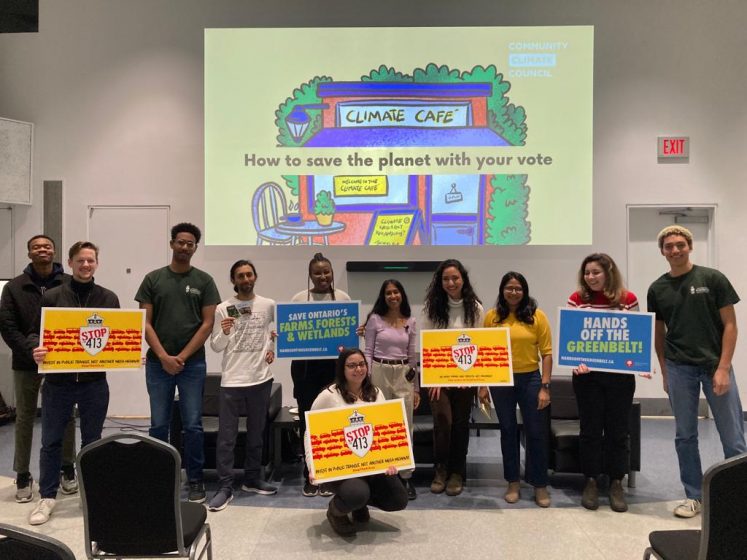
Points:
(392, 353)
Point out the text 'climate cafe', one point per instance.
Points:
(449, 210)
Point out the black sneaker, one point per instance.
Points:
(310, 490)
(196, 491)
(325, 490)
(221, 499)
(259, 486)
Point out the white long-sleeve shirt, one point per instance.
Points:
(246, 345)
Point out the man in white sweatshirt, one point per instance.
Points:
(243, 332)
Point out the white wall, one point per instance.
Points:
(115, 90)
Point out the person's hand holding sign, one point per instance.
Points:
(581, 369)
(39, 353)
(227, 324)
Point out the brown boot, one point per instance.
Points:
(512, 492)
(439, 480)
(590, 497)
(455, 485)
(617, 496)
(340, 522)
(542, 496)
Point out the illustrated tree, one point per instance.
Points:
(292, 182)
(505, 118)
(508, 211)
(386, 74)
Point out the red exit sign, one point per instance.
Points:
(673, 147)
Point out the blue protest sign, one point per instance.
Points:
(615, 341)
(314, 329)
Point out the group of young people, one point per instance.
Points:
(695, 336)
(179, 302)
(695, 339)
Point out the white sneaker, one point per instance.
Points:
(43, 510)
(688, 508)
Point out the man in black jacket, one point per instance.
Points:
(20, 307)
(62, 391)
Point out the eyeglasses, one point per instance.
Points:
(183, 243)
(356, 365)
(512, 290)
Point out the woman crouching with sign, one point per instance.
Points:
(604, 399)
(353, 386)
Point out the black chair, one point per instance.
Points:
(422, 436)
(22, 544)
(130, 486)
(422, 431)
(723, 535)
(565, 429)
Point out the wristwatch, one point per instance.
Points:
(545, 386)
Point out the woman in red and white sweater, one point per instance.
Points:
(604, 399)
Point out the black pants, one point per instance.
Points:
(309, 378)
(382, 491)
(252, 400)
(451, 429)
(604, 402)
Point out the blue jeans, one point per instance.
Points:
(524, 393)
(191, 383)
(58, 401)
(684, 382)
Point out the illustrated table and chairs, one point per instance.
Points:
(275, 226)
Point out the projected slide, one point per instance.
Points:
(398, 136)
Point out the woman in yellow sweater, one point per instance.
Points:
(531, 343)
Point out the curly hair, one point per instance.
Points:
(527, 306)
(368, 389)
(674, 230)
(437, 300)
(186, 227)
(381, 308)
(613, 289)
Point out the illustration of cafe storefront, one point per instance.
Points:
(409, 209)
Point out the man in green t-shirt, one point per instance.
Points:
(179, 302)
(695, 337)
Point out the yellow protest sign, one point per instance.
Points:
(465, 357)
(358, 440)
(91, 339)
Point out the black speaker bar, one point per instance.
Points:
(391, 266)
